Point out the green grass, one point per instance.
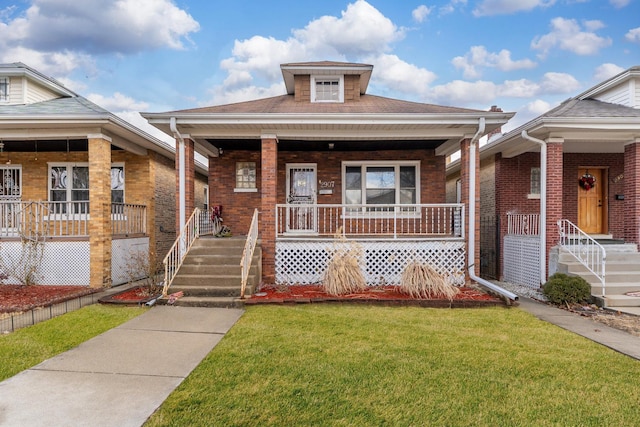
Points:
(339, 365)
(27, 347)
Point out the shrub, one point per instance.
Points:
(565, 289)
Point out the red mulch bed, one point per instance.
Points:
(385, 295)
(15, 298)
(135, 295)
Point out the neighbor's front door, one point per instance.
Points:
(301, 198)
(592, 201)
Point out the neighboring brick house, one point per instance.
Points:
(91, 186)
(592, 142)
(327, 157)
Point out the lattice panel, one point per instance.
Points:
(62, 263)
(521, 260)
(122, 266)
(304, 262)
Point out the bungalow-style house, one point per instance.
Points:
(564, 191)
(81, 190)
(328, 158)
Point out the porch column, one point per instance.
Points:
(189, 182)
(554, 194)
(100, 210)
(632, 192)
(465, 146)
(269, 189)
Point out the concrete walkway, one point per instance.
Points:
(615, 339)
(118, 378)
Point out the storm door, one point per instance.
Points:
(10, 199)
(301, 198)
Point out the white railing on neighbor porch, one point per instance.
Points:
(65, 219)
(523, 224)
(247, 254)
(584, 248)
(437, 221)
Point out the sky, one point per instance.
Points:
(128, 56)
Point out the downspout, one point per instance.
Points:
(472, 219)
(543, 204)
(181, 174)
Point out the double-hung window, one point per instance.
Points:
(381, 186)
(4, 89)
(69, 188)
(327, 89)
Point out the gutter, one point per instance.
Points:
(543, 203)
(472, 219)
(181, 173)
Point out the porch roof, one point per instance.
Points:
(372, 118)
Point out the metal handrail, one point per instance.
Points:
(173, 261)
(584, 248)
(247, 254)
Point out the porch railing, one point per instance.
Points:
(66, 219)
(247, 254)
(523, 224)
(584, 248)
(173, 261)
(438, 221)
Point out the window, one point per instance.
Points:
(117, 184)
(4, 89)
(206, 198)
(245, 176)
(381, 183)
(10, 182)
(69, 183)
(534, 185)
(327, 89)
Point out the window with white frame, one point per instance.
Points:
(246, 174)
(4, 89)
(206, 198)
(117, 183)
(534, 185)
(381, 183)
(10, 182)
(327, 89)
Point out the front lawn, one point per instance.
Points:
(401, 366)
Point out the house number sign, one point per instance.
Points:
(326, 187)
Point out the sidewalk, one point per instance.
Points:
(119, 377)
(615, 339)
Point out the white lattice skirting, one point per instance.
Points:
(304, 262)
(522, 260)
(123, 259)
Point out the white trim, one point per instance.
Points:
(99, 136)
(245, 190)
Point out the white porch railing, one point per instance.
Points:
(66, 219)
(523, 224)
(584, 248)
(247, 254)
(178, 251)
(436, 221)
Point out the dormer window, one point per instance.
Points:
(327, 89)
(4, 89)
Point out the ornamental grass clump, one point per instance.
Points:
(420, 280)
(343, 274)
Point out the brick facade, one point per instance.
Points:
(100, 202)
(632, 192)
(269, 189)
(465, 147)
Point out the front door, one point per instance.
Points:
(301, 198)
(592, 200)
(10, 199)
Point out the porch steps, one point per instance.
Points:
(622, 275)
(210, 275)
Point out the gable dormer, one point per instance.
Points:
(20, 84)
(622, 89)
(326, 81)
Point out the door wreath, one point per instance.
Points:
(587, 181)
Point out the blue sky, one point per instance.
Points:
(524, 56)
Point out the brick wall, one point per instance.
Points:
(100, 202)
(632, 192)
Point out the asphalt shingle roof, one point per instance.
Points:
(591, 108)
(59, 106)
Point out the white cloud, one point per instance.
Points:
(479, 57)
(96, 26)
(55, 64)
(566, 34)
(421, 13)
(141, 123)
(361, 34)
(527, 113)
(452, 6)
(618, 4)
(554, 83)
(507, 7)
(118, 102)
(633, 35)
(606, 71)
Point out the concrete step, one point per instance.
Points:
(621, 301)
(214, 269)
(204, 280)
(213, 291)
(615, 288)
(217, 302)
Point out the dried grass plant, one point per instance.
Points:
(343, 274)
(420, 280)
